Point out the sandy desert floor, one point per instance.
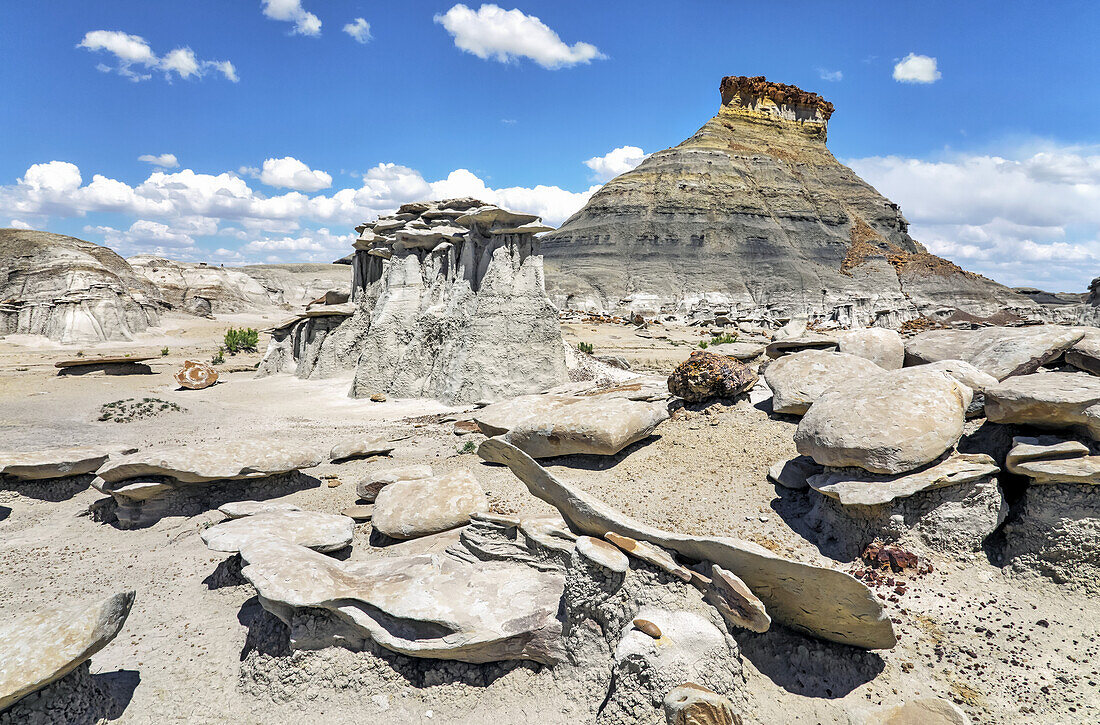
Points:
(1007, 649)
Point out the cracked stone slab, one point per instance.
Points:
(853, 488)
(199, 463)
(311, 529)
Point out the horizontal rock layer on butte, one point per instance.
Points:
(753, 212)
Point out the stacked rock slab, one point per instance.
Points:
(754, 215)
(70, 290)
(449, 303)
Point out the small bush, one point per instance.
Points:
(585, 347)
(703, 344)
(219, 357)
(164, 352)
(724, 339)
(468, 447)
(245, 338)
(80, 353)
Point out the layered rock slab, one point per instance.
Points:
(1047, 400)
(56, 463)
(889, 423)
(211, 462)
(43, 647)
(998, 351)
(822, 602)
(559, 425)
(421, 606)
(311, 529)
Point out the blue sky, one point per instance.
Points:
(988, 143)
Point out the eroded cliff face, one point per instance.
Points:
(71, 290)
(755, 214)
(449, 302)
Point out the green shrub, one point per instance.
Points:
(164, 352)
(219, 357)
(245, 338)
(469, 447)
(585, 347)
(724, 339)
(703, 344)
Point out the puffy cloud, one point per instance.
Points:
(915, 68)
(830, 75)
(305, 23)
(132, 54)
(615, 162)
(174, 209)
(19, 224)
(506, 35)
(165, 161)
(290, 173)
(358, 29)
(1029, 220)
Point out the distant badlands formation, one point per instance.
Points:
(749, 219)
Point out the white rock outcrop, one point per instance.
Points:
(449, 302)
(70, 290)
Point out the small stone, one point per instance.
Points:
(334, 482)
(736, 602)
(603, 554)
(378, 398)
(650, 554)
(465, 427)
(648, 627)
(359, 512)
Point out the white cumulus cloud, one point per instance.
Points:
(358, 29)
(1030, 217)
(135, 59)
(506, 35)
(915, 68)
(291, 11)
(165, 161)
(830, 75)
(290, 173)
(19, 224)
(615, 162)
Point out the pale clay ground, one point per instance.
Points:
(967, 631)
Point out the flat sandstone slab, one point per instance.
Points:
(211, 462)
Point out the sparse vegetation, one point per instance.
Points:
(468, 447)
(80, 353)
(130, 409)
(724, 339)
(243, 339)
(704, 344)
(219, 357)
(585, 347)
(164, 352)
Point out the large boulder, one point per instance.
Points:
(312, 529)
(70, 290)
(797, 380)
(559, 425)
(705, 376)
(421, 606)
(889, 423)
(419, 507)
(369, 488)
(1047, 400)
(999, 351)
(880, 345)
(43, 647)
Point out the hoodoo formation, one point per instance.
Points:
(753, 214)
